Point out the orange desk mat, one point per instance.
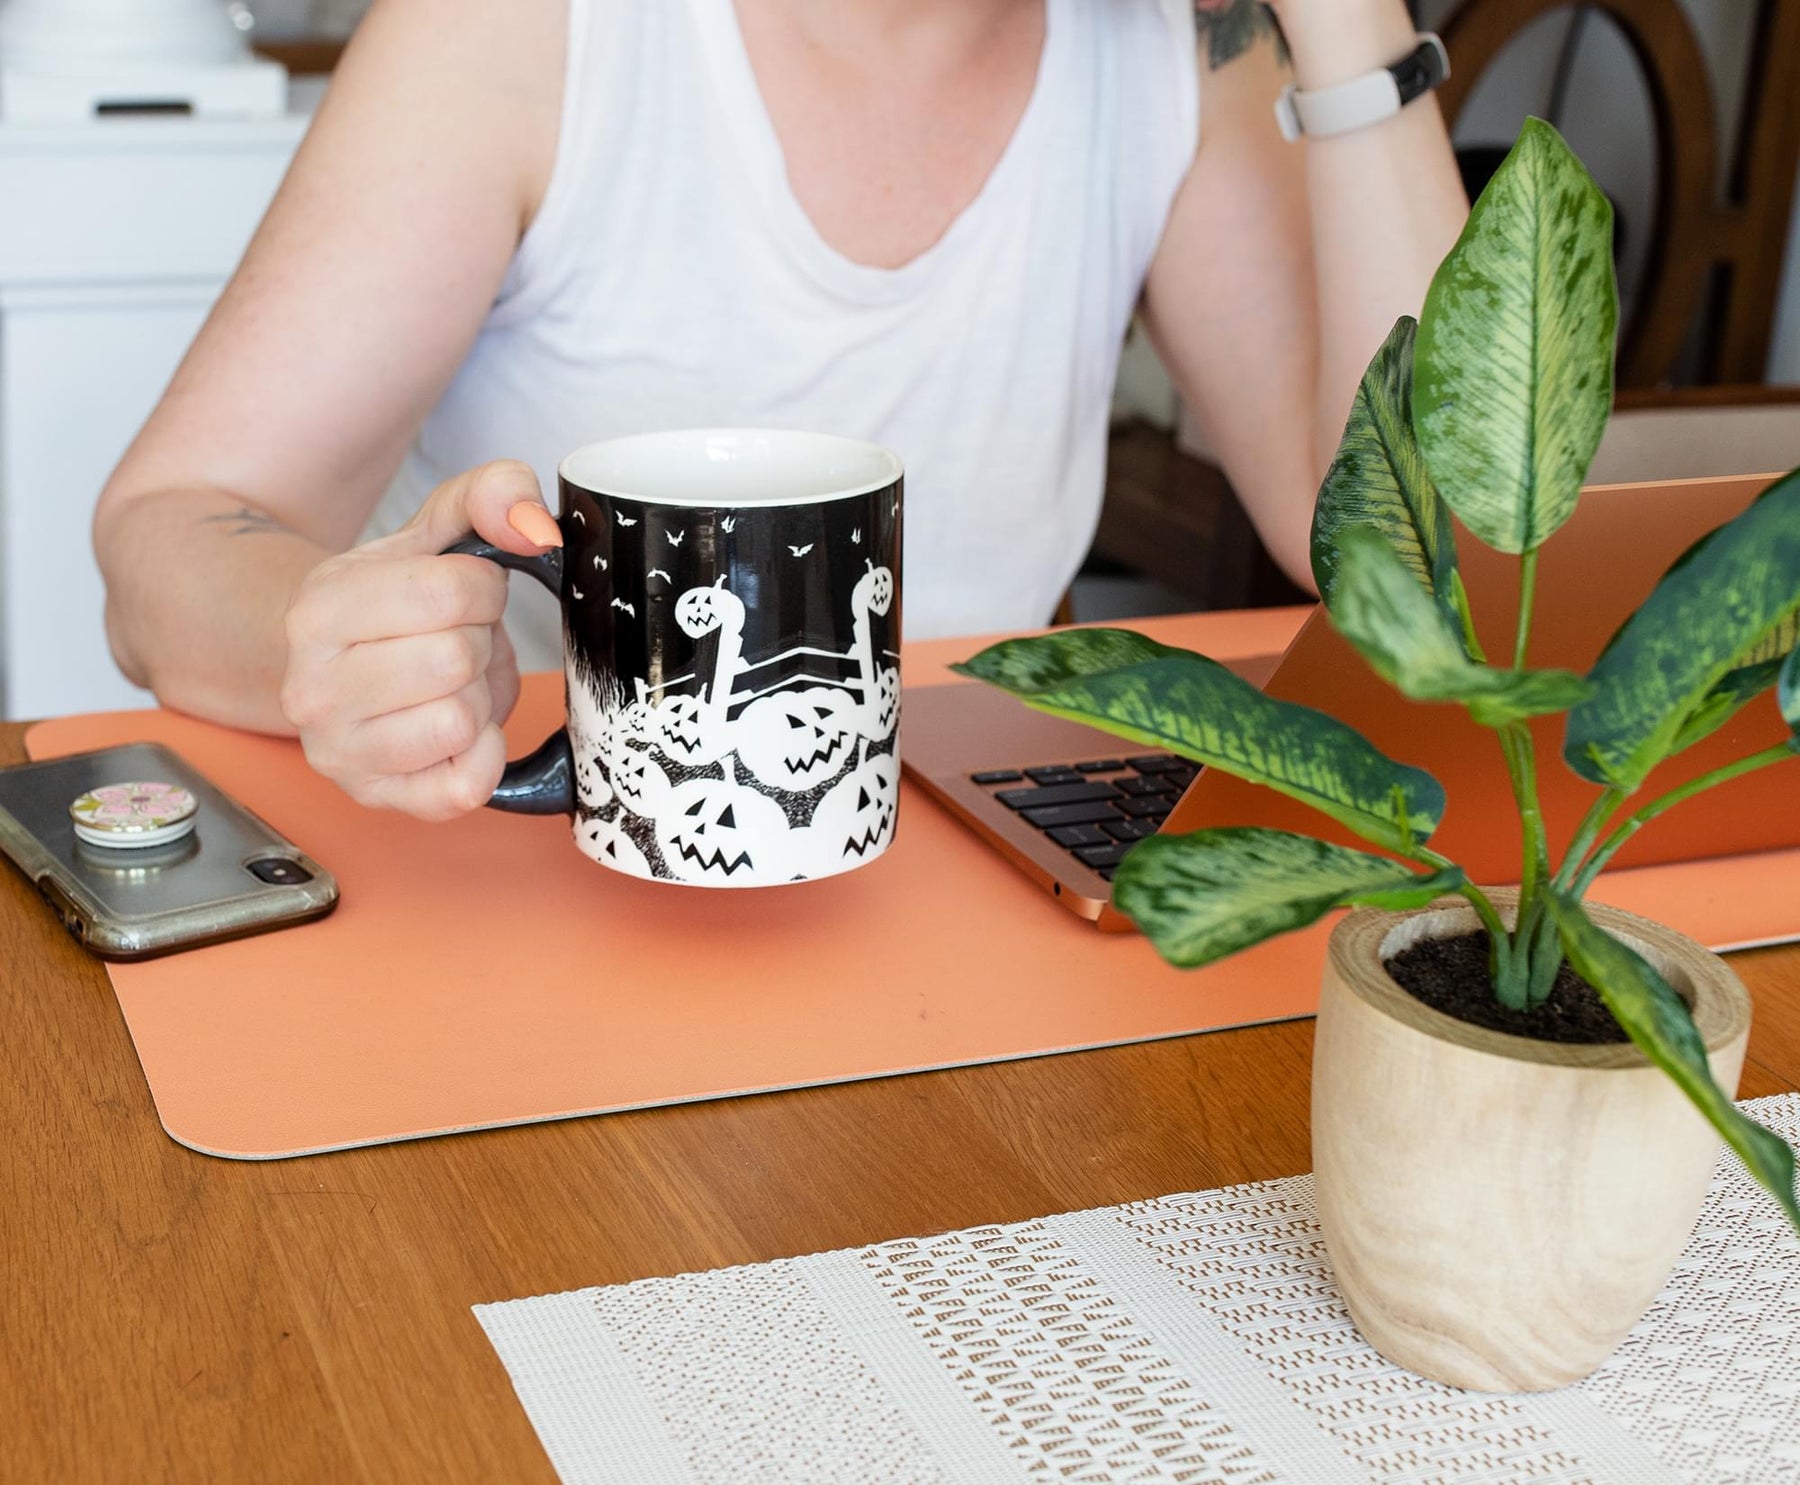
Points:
(483, 973)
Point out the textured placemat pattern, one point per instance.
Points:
(1194, 1338)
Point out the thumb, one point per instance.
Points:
(499, 502)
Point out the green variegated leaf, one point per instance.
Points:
(1027, 666)
(1201, 897)
(1514, 363)
(1654, 684)
(1654, 1017)
(1776, 645)
(1753, 671)
(1378, 479)
(1772, 645)
(1414, 645)
(1169, 698)
(1724, 701)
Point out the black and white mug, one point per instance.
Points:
(731, 636)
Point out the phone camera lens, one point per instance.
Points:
(278, 871)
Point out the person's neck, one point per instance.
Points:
(902, 31)
(891, 114)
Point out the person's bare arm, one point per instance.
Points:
(354, 305)
(1284, 266)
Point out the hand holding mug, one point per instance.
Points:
(398, 671)
(731, 623)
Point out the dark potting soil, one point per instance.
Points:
(1451, 975)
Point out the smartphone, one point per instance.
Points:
(231, 875)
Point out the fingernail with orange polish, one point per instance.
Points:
(534, 523)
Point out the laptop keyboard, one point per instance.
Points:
(1098, 809)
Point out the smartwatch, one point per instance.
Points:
(1365, 100)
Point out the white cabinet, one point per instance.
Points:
(115, 238)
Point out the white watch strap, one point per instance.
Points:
(1344, 107)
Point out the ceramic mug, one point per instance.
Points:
(731, 629)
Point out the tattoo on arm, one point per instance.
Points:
(245, 522)
(1229, 28)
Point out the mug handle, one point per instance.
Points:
(542, 783)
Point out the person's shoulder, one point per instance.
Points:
(475, 75)
(508, 38)
(1150, 49)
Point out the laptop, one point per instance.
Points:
(1065, 802)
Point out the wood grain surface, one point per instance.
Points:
(172, 1317)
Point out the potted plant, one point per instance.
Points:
(1499, 1208)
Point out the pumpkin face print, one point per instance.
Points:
(636, 776)
(637, 723)
(881, 718)
(606, 843)
(590, 728)
(855, 819)
(702, 610)
(874, 591)
(797, 740)
(683, 731)
(723, 833)
(591, 785)
(880, 684)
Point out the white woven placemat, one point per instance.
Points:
(1195, 1338)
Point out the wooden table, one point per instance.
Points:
(168, 1316)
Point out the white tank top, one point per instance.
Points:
(671, 279)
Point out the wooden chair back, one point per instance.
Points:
(1717, 238)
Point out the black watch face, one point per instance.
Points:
(1417, 74)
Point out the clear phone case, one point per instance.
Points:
(232, 876)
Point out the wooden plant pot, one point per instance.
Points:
(1501, 1211)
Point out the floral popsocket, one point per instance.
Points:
(133, 816)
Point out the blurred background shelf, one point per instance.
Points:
(303, 56)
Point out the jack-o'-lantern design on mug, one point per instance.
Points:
(731, 623)
(722, 784)
(855, 819)
(796, 739)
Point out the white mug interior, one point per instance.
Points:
(719, 467)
